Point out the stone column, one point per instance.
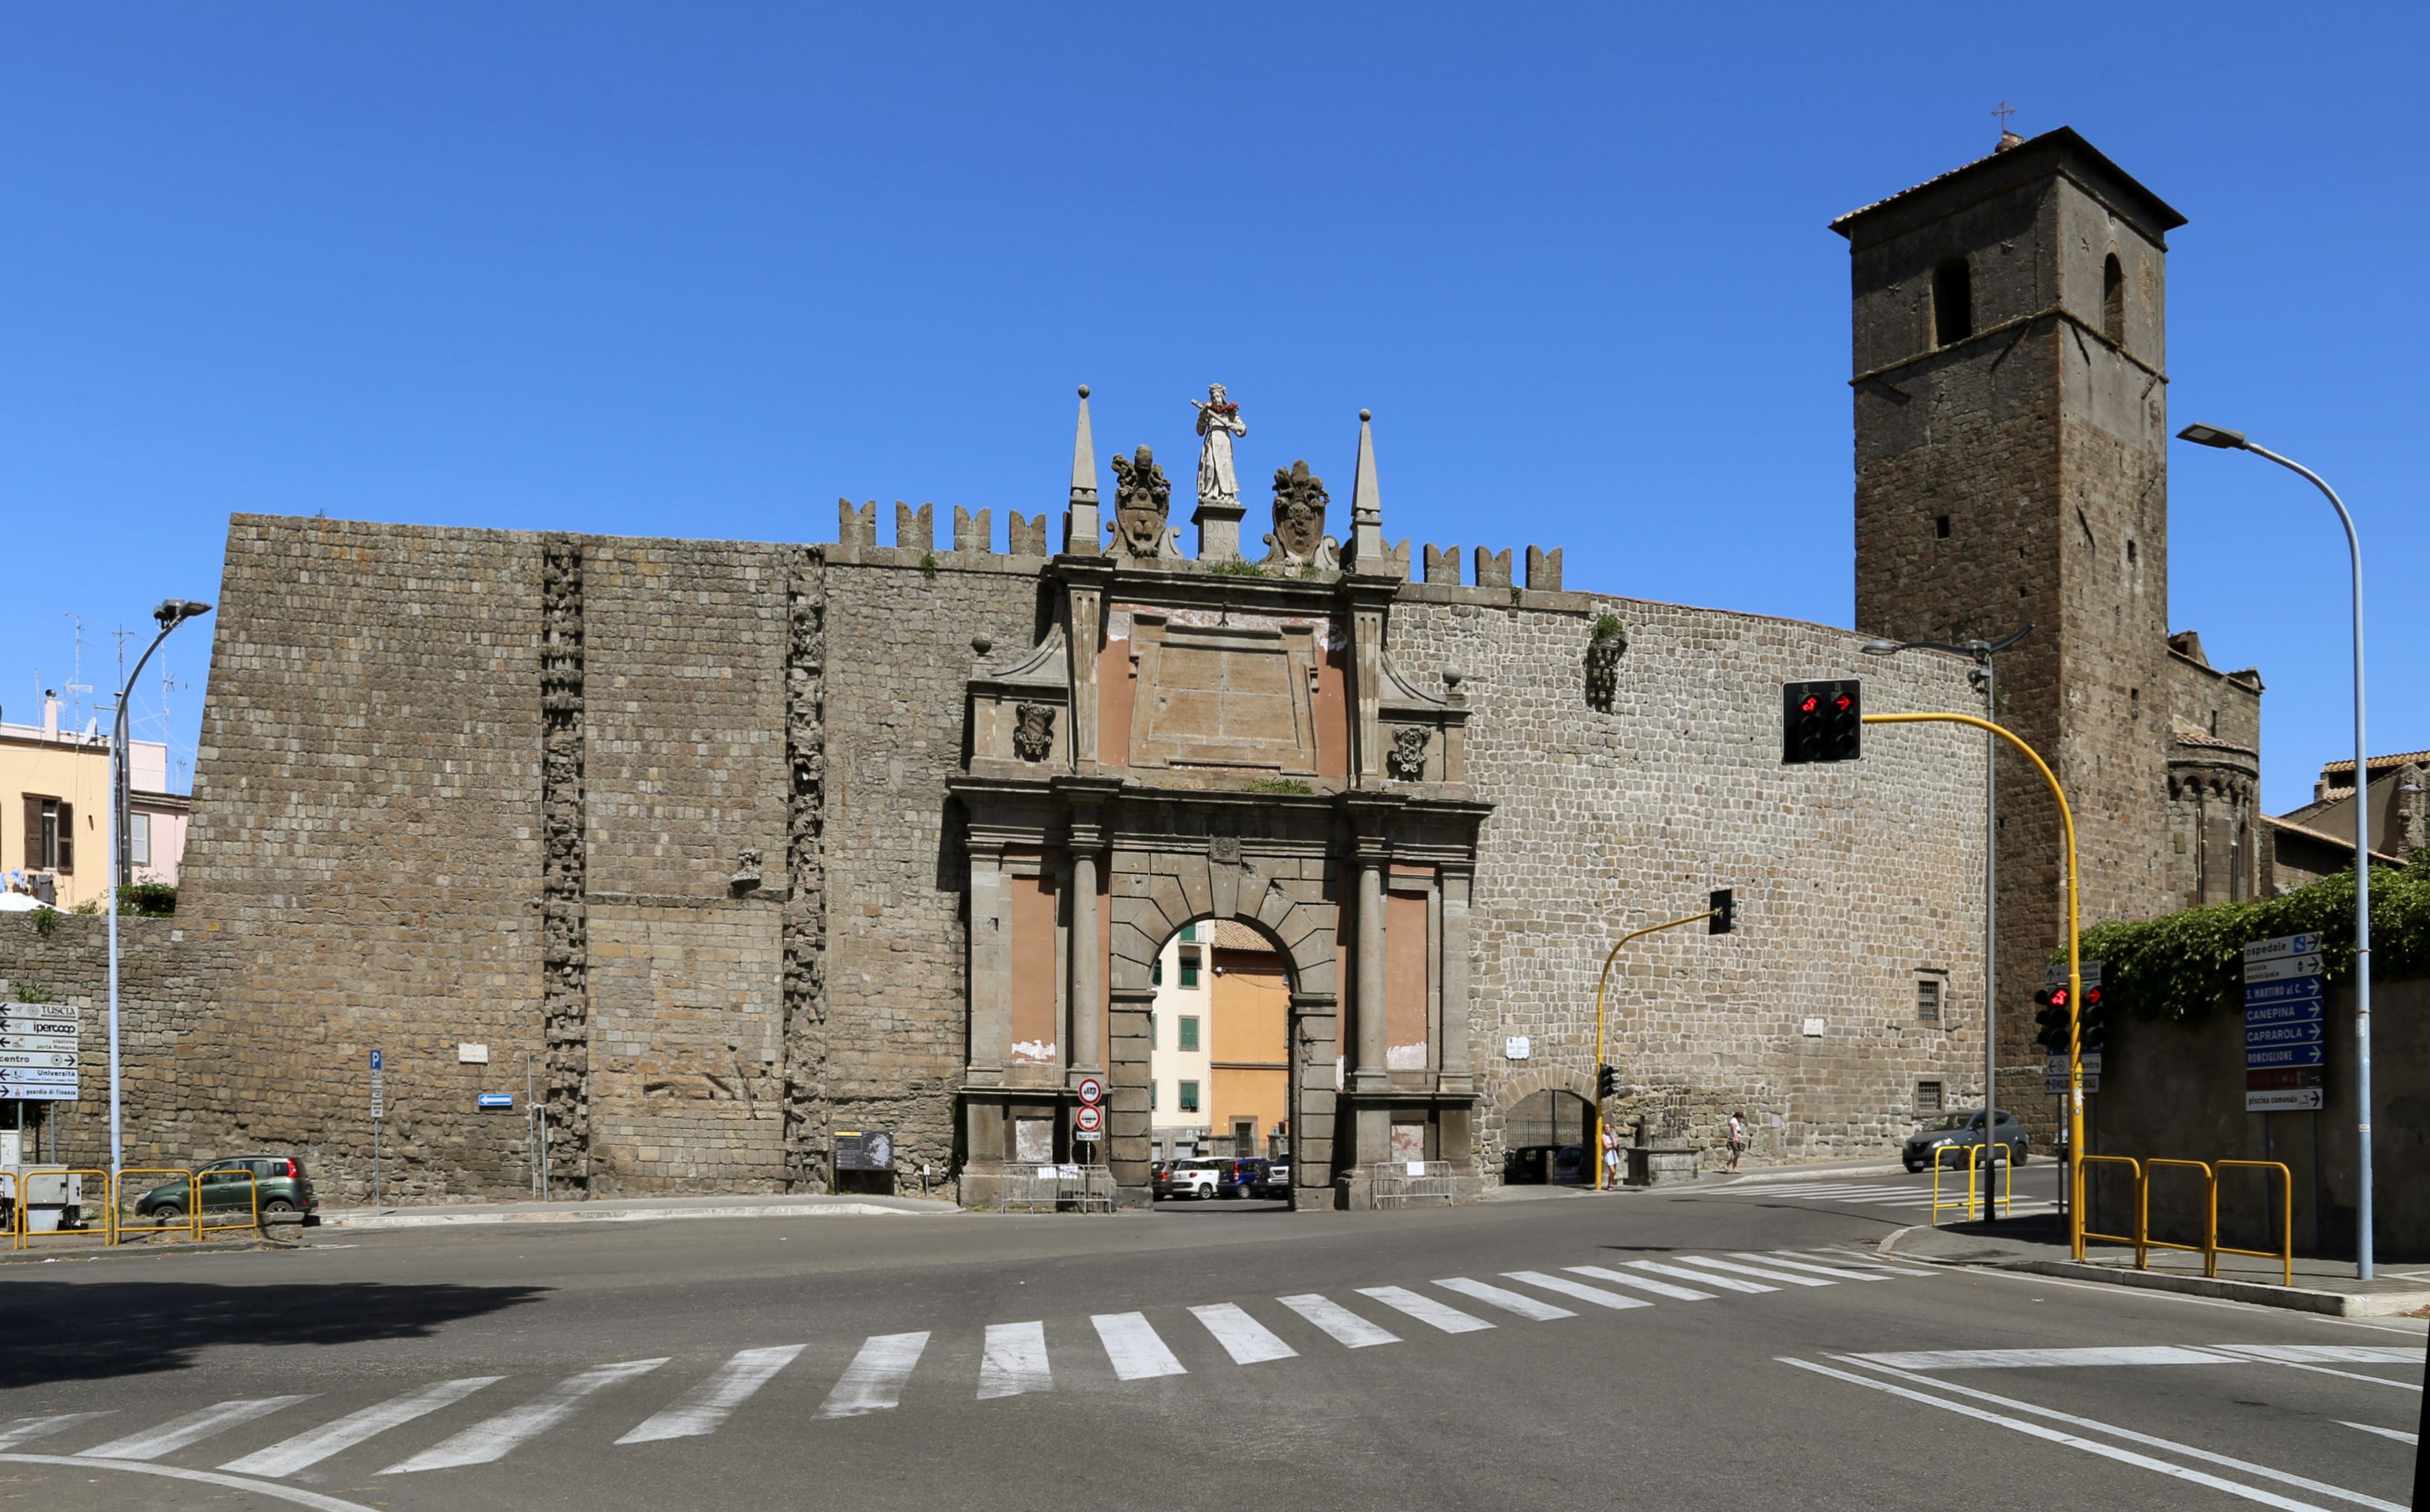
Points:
(1314, 1016)
(1457, 1073)
(1087, 963)
(1371, 1072)
(990, 966)
(1127, 1118)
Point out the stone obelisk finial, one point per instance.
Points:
(1081, 535)
(1367, 552)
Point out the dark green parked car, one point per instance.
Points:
(285, 1192)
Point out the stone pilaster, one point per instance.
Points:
(565, 961)
(805, 905)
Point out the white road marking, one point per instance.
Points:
(1014, 1363)
(179, 1431)
(1858, 1259)
(873, 1381)
(2052, 1435)
(1505, 1299)
(1347, 1327)
(270, 1488)
(2188, 1450)
(1782, 1262)
(1426, 1309)
(1575, 1289)
(1133, 1347)
(1660, 1289)
(1784, 1277)
(24, 1429)
(494, 1438)
(1702, 1278)
(705, 1406)
(1244, 1338)
(2007, 1359)
(2397, 1434)
(311, 1448)
(2325, 1354)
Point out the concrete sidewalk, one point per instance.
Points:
(2039, 1244)
(633, 1210)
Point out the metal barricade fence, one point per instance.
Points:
(190, 1211)
(1050, 1187)
(2134, 1173)
(2144, 1243)
(68, 1197)
(205, 1201)
(1409, 1182)
(2284, 1254)
(1978, 1157)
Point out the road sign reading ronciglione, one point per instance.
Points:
(2285, 1025)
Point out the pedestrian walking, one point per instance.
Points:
(1738, 1138)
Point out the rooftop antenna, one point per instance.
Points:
(76, 685)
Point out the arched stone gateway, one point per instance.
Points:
(1185, 743)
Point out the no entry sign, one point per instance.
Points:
(1092, 1091)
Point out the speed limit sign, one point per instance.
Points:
(1092, 1091)
(1089, 1119)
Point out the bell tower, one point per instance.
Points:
(2011, 427)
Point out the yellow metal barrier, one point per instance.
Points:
(2135, 1170)
(2284, 1254)
(2144, 1240)
(203, 1184)
(34, 1192)
(1938, 1165)
(189, 1216)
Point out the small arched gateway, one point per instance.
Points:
(1205, 738)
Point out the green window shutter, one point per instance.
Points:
(1190, 968)
(1188, 1032)
(1189, 1097)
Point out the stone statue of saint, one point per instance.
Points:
(1219, 421)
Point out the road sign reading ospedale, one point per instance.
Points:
(2270, 950)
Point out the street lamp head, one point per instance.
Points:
(175, 612)
(2232, 440)
(1882, 648)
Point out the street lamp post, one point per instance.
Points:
(2234, 440)
(1985, 675)
(171, 614)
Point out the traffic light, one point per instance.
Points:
(2092, 1020)
(1822, 722)
(1724, 915)
(1606, 1083)
(2051, 1019)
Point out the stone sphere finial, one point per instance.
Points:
(1453, 677)
(1366, 414)
(1084, 391)
(982, 643)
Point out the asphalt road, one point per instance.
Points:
(1219, 1357)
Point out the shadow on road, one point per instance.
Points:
(58, 1332)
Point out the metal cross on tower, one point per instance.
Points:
(2004, 111)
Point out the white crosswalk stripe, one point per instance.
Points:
(494, 1438)
(1505, 1299)
(1133, 1346)
(1345, 1327)
(315, 1445)
(179, 1431)
(25, 1429)
(1857, 1258)
(1782, 1262)
(1426, 1309)
(1247, 1340)
(1659, 1289)
(1702, 1278)
(1704, 1261)
(702, 1408)
(1576, 1289)
(1014, 1362)
(873, 1381)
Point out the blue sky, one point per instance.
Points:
(698, 271)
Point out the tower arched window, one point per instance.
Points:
(1952, 302)
(2113, 300)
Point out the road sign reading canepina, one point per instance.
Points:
(40, 1051)
(2286, 1025)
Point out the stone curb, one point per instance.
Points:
(608, 1214)
(1773, 1173)
(128, 1252)
(2259, 1293)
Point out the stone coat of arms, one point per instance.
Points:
(1142, 503)
(1299, 538)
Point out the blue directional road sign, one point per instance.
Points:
(494, 1100)
(2303, 988)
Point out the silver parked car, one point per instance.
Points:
(1959, 1130)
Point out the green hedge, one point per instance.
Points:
(2185, 965)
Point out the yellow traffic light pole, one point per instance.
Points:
(2074, 967)
(1596, 1153)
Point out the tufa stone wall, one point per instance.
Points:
(1852, 880)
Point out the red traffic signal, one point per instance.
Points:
(1821, 721)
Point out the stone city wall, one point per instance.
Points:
(1852, 880)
